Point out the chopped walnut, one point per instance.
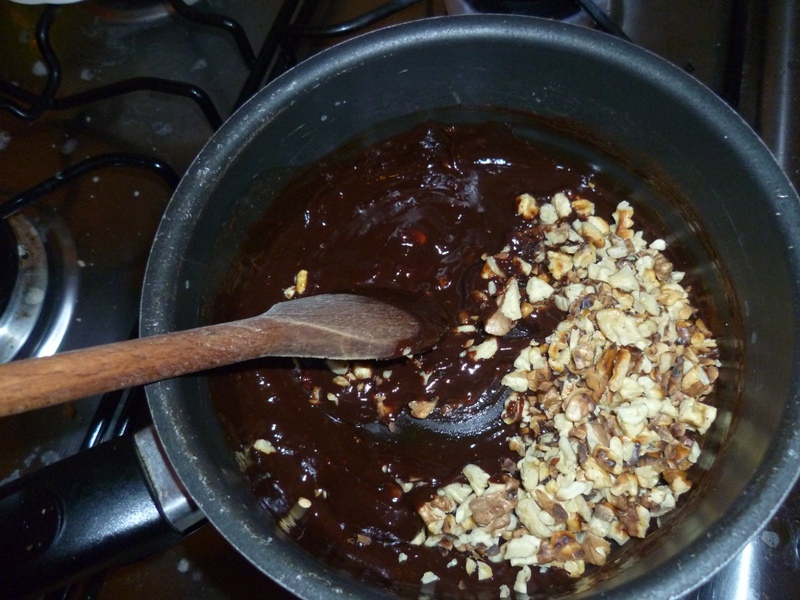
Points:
(264, 447)
(492, 511)
(559, 263)
(582, 207)
(498, 324)
(562, 204)
(609, 406)
(527, 207)
(288, 521)
(300, 285)
(483, 350)
(433, 513)
(578, 405)
(538, 290)
(420, 409)
(428, 577)
(301, 281)
(595, 549)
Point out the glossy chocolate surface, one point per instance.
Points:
(414, 212)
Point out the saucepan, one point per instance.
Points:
(702, 170)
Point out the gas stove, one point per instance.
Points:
(104, 104)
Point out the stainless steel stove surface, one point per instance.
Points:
(82, 247)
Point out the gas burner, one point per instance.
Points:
(38, 300)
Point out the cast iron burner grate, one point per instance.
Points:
(551, 9)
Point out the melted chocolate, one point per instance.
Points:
(415, 213)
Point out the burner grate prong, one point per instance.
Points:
(93, 163)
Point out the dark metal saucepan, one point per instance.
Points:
(681, 151)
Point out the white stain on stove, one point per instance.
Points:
(161, 128)
(323, 118)
(81, 263)
(184, 566)
(39, 69)
(15, 474)
(5, 139)
(95, 179)
(770, 538)
(135, 193)
(35, 458)
(186, 284)
(49, 457)
(199, 65)
(87, 74)
(35, 296)
(69, 146)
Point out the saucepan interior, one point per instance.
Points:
(681, 155)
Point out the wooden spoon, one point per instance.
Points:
(340, 326)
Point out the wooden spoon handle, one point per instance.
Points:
(39, 382)
(343, 326)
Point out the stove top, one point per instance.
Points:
(104, 103)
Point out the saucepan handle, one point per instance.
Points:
(102, 507)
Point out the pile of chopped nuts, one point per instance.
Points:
(609, 405)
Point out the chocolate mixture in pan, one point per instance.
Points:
(558, 415)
